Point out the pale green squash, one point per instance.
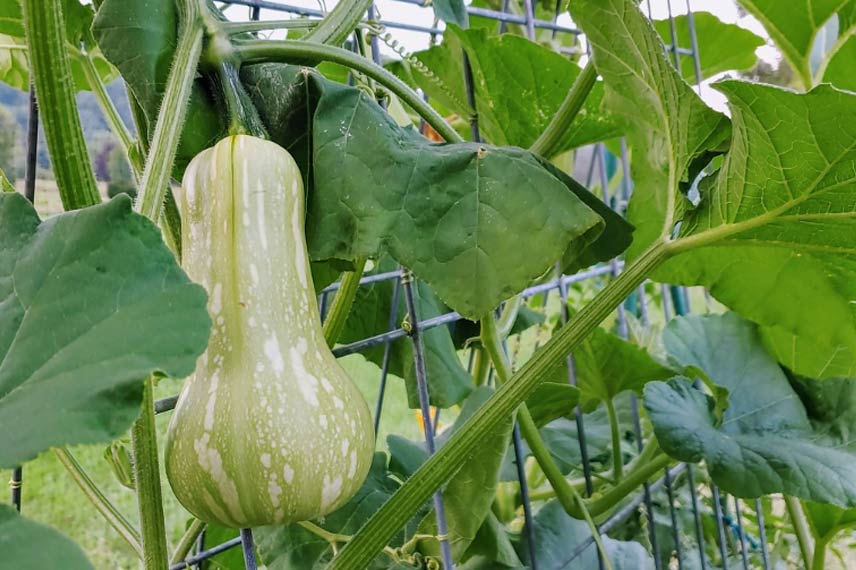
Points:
(269, 429)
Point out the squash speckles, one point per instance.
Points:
(269, 429)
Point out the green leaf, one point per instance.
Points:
(773, 235)
(27, 544)
(291, 547)
(793, 26)
(12, 19)
(452, 213)
(448, 381)
(607, 365)
(724, 47)
(769, 440)
(557, 535)
(93, 302)
(451, 11)
(491, 547)
(14, 64)
(469, 494)
(553, 400)
(519, 86)
(668, 126)
(826, 521)
(232, 559)
(840, 69)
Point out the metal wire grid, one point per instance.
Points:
(671, 479)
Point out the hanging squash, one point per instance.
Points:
(269, 429)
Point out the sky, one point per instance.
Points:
(409, 13)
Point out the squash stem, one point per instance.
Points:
(46, 41)
(147, 482)
(334, 323)
(339, 23)
(253, 51)
(567, 495)
(819, 559)
(615, 431)
(188, 539)
(161, 156)
(101, 503)
(438, 468)
(800, 525)
(481, 366)
(549, 140)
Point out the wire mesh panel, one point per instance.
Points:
(665, 503)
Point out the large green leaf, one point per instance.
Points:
(840, 70)
(91, 302)
(27, 544)
(828, 520)
(667, 124)
(453, 214)
(557, 536)
(519, 86)
(769, 440)
(607, 365)
(291, 547)
(793, 26)
(722, 47)
(773, 235)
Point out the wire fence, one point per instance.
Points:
(664, 502)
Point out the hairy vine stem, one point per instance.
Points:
(290, 51)
(567, 495)
(339, 23)
(161, 157)
(393, 515)
(114, 121)
(102, 504)
(800, 525)
(188, 539)
(46, 41)
(549, 140)
(334, 323)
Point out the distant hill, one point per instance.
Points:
(95, 128)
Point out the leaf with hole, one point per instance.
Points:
(773, 235)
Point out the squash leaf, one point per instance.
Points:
(27, 544)
(769, 440)
(668, 126)
(558, 534)
(773, 235)
(92, 302)
(794, 26)
(725, 47)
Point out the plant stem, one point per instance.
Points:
(289, 51)
(549, 140)
(234, 28)
(509, 316)
(334, 323)
(101, 503)
(481, 367)
(106, 104)
(147, 481)
(161, 156)
(818, 561)
(567, 495)
(188, 539)
(800, 526)
(46, 40)
(617, 456)
(339, 23)
(393, 515)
